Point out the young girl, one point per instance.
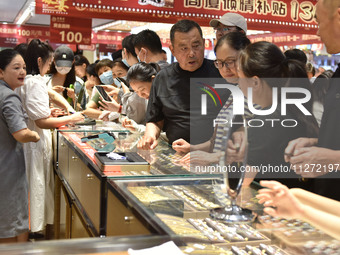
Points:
(14, 131)
(35, 99)
(64, 79)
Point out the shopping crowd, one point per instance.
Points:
(43, 89)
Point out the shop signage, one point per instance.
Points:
(12, 35)
(286, 39)
(272, 15)
(103, 37)
(70, 30)
(91, 47)
(109, 48)
(8, 42)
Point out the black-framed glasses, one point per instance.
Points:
(228, 63)
(223, 29)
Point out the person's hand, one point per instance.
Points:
(181, 145)
(111, 91)
(312, 162)
(236, 147)
(89, 85)
(58, 88)
(147, 143)
(36, 137)
(70, 93)
(77, 117)
(129, 124)
(55, 112)
(111, 106)
(104, 116)
(298, 144)
(279, 200)
(200, 158)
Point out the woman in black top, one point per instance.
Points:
(264, 68)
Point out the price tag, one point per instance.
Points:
(68, 30)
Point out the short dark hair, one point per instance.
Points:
(116, 55)
(91, 70)
(237, 40)
(184, 26)
(6, 56)
(80, 59)
(119, 62)
(128, 44)
(36, 49)
(148, 39)
(104, 62)
(296, 54)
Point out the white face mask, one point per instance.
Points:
(63, 69)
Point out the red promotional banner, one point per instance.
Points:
(70, 30)
(12, 35)
(8, 42)
(286, 39)
(272, 15)
(102, 37)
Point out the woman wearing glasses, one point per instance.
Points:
(227, 51)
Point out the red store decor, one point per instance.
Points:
(12, 35)
(70, 30)
(286, 39)
(103, 37)
(271, 15)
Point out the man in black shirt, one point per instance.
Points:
(169, 102)
(313, 157)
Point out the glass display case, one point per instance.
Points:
(164, 199)
(181, 207)
(88, 141)
(79, 155)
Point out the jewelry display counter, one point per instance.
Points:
(181, 207)
(83, 207)
(164, 199)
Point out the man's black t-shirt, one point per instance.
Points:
(170, 101)
(329, 137)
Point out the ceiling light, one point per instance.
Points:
(28, 12)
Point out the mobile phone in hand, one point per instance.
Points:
(103, 93)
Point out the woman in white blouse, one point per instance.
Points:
(38, 156)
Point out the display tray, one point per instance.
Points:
(211, 249)
(215, 232)
(291, 231)
(195, 203)
(132, 162)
